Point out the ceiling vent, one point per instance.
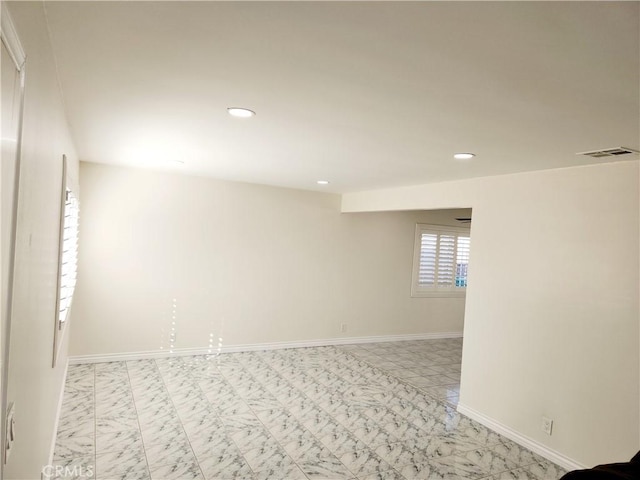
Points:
(609, 152)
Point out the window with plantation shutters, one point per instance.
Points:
(69, 256)
(441, 260)
(67, 259)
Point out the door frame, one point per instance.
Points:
(11, 42)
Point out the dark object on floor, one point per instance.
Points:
(611, 471)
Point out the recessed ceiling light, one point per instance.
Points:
(463, 156)
(240, 112)
(323, 182)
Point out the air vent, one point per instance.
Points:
(609, 152)
(464, 220)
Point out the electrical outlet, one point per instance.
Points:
(547, 425)
(343, 327)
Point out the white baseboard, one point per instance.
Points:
(178, 352)
(534, 446)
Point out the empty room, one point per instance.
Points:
(320, 240)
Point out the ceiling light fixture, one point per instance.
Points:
(240, 112)
(323, 182)
(463, 156)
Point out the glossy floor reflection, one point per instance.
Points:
(371, 411)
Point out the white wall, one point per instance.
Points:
(552, 314)
(245, 263)
(34, 385)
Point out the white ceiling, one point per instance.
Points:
(364, 94)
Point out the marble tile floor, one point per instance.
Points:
(369, 411)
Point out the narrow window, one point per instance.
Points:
(68, 259)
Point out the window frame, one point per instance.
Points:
(435, 291)
(67, 259)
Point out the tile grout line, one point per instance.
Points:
(135, 407)
(332, 417)
(374, 368)
(373, 450)
(436, 400)
(402, 380)
(301, 392)
(265, 427)
(216, 412)
(314, 435)
(444, 404)
(253, 365)
(320, 442)
(164, 383)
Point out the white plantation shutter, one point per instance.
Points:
(69, 257)
(428, 255)
(446, 259)
(441, 260)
